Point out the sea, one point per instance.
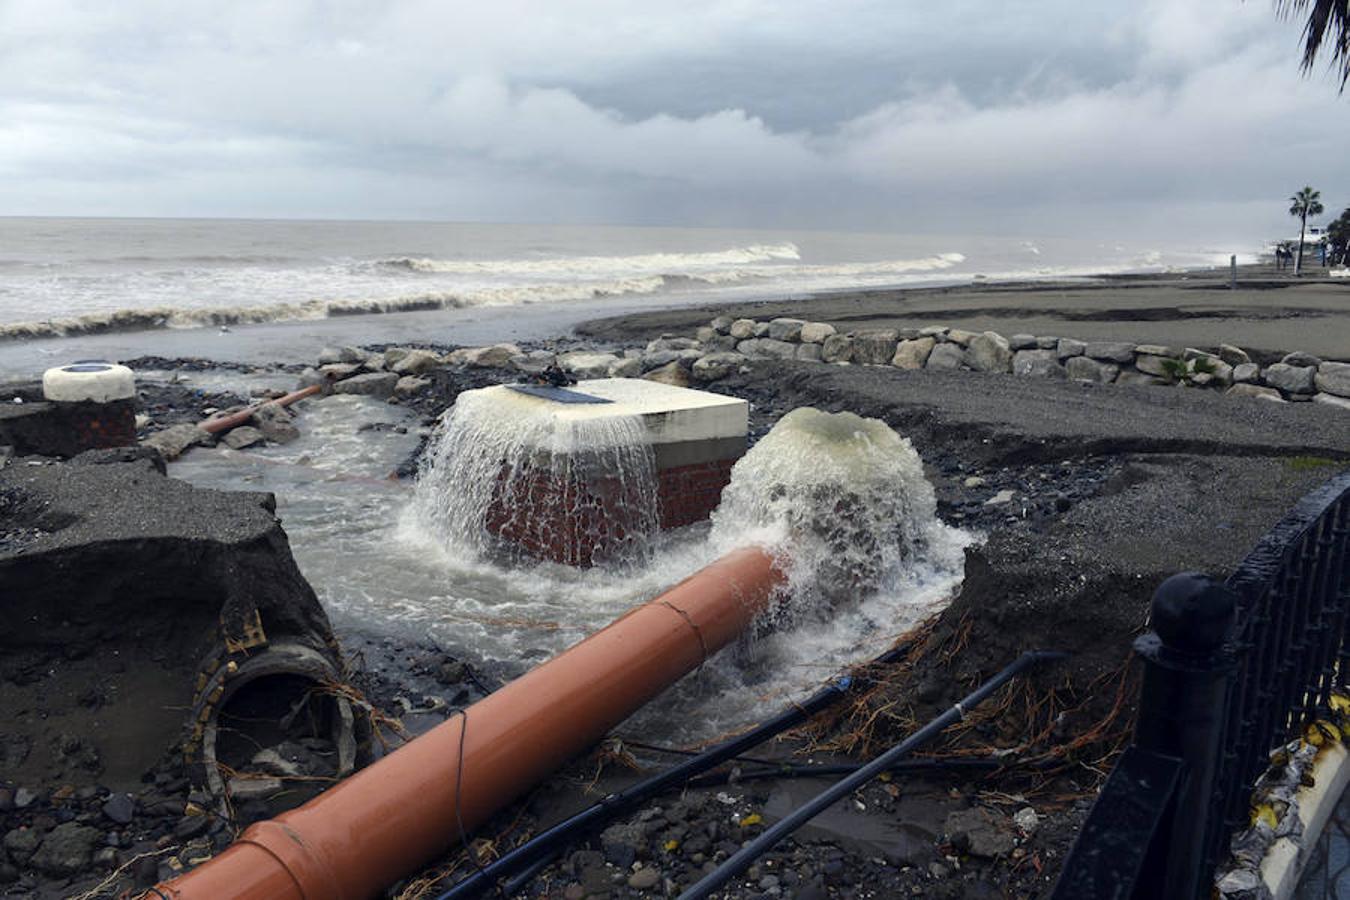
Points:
(78, 278)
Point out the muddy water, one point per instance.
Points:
(350, 530)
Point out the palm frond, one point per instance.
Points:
(1328, 25)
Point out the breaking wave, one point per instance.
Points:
(599, 265)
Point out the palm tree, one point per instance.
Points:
(1306, 202)
(1328, 21)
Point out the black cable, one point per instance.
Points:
(546, 844)
(741, 860)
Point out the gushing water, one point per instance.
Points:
(505, 474)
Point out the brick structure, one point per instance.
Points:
(66, 429)
(575, 513)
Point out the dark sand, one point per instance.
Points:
(1268, 313)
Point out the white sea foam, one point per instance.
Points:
(601, 265)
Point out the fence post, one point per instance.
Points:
(1182, 708)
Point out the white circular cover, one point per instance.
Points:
(96, 380)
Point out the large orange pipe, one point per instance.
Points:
(364, 833)
(216, 424)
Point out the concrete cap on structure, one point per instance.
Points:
(88, 380)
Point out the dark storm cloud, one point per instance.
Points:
(1046, 116)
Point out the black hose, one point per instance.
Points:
(795, 770)
(543, 846)
(741, 860)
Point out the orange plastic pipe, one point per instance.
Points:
(386, 821)
(234, 420)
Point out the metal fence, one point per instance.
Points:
(1232, 670)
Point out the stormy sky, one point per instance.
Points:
(1027, 116)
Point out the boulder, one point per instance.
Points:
(670, 342)
(588, 363)
(173, 441)
(1068, 347)
(659, 358)
(410, 386)
(1300, 359)
(371, 384)
(705, 333)
(875, 347)
(946, 357)
(720, 343)
(1332, 400)
(276, 423)
(1234, 356)
(393, 355)
(1085, 368)
(1022, 342)
(498, 356)
(1254, 390)
(339, 371)
(21, 843)
(1043, 362)
(625, 368)
(721, 324)
(1196, 353)
(66, 850)
(936, 332)
(1157, 366)
(673, 374)
(989, 352)
(1245, 372)
(716, 366)
(1047, 343)
(1291, 379)
(761, 330)
(837, 348)
(1158, 350)
(786, 329)
(1131, 377)
(242, 437)
(742, 329)
(416, 362)
(960, 337)
(1333, 378)
(816, 332)
(980, 832)
(330, 355)
(1113, 351)
(808, 352)
(913, 354)
(767, 348)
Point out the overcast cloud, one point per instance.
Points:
(1043, 117)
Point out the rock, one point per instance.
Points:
(105, 859)
(393, 354)
(1332, 400)
(1045, 342)
(498, 356)
(741, 329)
(24, 798)
(1158, 366)
(946, 357)
(816, 332)
(761, 330)
(669, 342)
(1291, 379)
(1253, 390)
(913, 354)
(330, 355)
(339, 371)
(348, 354)
(189, 827)
(1234, 356)
(371, 384)
(1244, 372)
(875, 347)
(1333, 378)
(174, 440)
(1300, 359)
(644, 879)
(1085, 368)
(673, 374)
(1129, 377)
(1068, 347)
(716, 366)
(20, 844)
(980, 832)
(1026, 820)
(410, 386)
(1022, 342)
(837, 348)
(767, 348)
(659, 358)
(625, 368)
(721, 324)
(243, 790)
(1190, 353)
(704, 334)
(1043, 362)
(275, 423)
(1222, 374)
(1158, 350)
(587, 363)
(808, 352)
(120, 808)
(242, 437)
(1004, 496)
(960, 337)
(786, 329)
(720, 343)
(936, 332)
(1114, 351)
(66, 850)
(270, 762)
(989, 352)
(417, 362)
